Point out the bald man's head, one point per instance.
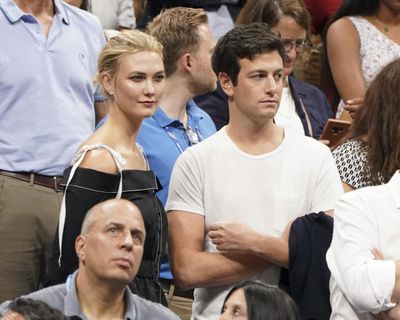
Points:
(110, 245)
(108, 206)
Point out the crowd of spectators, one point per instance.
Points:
(165, 159)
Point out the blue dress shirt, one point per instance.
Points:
(46, 87)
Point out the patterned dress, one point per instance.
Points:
(351, 160)
(376, 50)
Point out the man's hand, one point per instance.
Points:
(229, 237)
(392, 314)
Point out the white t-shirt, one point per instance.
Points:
(219, 181)
(287, 117)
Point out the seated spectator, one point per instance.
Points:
(29, 309)
(369, 153)
(363, 38)
(254, 300)
(364, 257)
(109, 248)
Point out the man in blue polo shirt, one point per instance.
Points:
(48, 59)
(178, 123)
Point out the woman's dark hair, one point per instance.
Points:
(348, 8)
(266, 301)
(266, 11)
(379, 122)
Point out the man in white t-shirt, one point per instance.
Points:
(232, 196)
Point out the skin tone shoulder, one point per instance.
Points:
(343, 44)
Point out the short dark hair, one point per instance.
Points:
(266, 302)
(242, 42)
(35, 310)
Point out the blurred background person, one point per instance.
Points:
(109, 164)
(369, 154)
(364, 36)
(113, 14)
(221, 13)
(254, 300)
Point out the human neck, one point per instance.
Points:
(175, 99)
(387, 17)
(98, 301)
(254, 137)
(119, 132)
(36, 7)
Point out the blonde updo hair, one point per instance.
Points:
(126, 42)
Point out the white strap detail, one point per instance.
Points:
(78, 158)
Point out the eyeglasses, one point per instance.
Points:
(192, 136)
(300, 45)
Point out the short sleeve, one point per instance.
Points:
(351, 159)
(186, 185)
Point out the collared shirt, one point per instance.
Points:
(46, 87)
(64, 298)
(162, 150)
(365, 219)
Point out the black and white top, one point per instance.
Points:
(351, 159)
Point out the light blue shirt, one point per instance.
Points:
(64, 297)
(47, 93)
(162, 150)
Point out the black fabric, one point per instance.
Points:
(309, 239)
(89, 187)
(216, 105)
(315, 104)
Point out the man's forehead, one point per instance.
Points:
(272, 59)
(123, 216)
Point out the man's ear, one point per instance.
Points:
(226, 83)
(186, 62)
(107, 83)
(80, 247)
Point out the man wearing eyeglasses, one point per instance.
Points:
(178, 123)
(231, 197)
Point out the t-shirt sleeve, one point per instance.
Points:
(186, 185)
(350, 161)
(328, 187)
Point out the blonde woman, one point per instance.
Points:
(109, 164)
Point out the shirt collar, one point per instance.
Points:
(193, 116)
(14, 13)
(394, 185)
(72, 306)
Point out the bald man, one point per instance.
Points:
(109, 249)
